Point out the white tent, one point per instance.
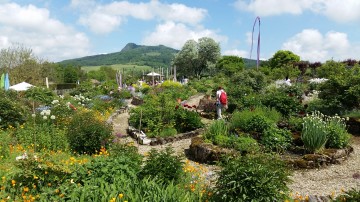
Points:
(21, 86)
(152, 74)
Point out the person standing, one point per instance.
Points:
(221, 101)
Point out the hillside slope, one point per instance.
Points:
(155, 56)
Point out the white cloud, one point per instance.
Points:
(338, 10)
(313, 46)
(176, 34)
(111, 15)
(34, 28)
(236, 52)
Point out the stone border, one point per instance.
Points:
(203, 152)
(140, 136)
(327, 157)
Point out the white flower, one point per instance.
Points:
(79, 103)
(52, 117)
(42, 113)
(44, 117)
(33, 115)
(47, 112)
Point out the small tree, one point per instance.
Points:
(196, 57)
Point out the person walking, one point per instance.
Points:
(221, 101)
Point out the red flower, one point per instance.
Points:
(177, 107)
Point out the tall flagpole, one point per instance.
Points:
(258, 42)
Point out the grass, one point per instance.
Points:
(127, 68)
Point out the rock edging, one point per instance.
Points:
(140, 136)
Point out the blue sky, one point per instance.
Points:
(316, 30)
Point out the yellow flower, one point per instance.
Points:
(26, 189)
(121, 195)
(35, 177)
(46, 172)
(13, 182)
(113, 200)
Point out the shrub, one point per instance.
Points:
(338, 137)
(163, 165)
(168, 132)
(277, 140)
(256, 120)
(86, 134)
(186, 120)
(258, 177)
(282, 102)
(11, 114)
(244, 144)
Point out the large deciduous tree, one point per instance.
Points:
(283, 58)
(196, 57)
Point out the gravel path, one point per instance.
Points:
(331, 180)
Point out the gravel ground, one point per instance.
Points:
(331, 180)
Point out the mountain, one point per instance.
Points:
(154, 56)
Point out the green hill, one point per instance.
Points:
(136, 55)
(153, 56)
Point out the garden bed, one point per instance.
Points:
(139, 136)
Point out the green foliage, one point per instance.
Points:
(314, 133)
(283, 58)
(331, 68)
(40, 95)
(244, 144)
(295, 123)
(218, 127)
(5, 141)
(259, 177)
(106, 168)
(168, 131)
(196, 57)
(186, 120)
(163, 165)
(277, 140)
(230, 65)
(352, 195)
(43, 135)
(90, 138)
(11, 113)
(203, 85)
(256, 120)
(340, 93)
(128, 150)
(338, 137)
(160, 109)
(285, 103)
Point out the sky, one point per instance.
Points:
(55, 30)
